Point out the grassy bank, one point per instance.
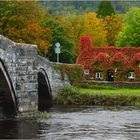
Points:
(111, 92)
(111, 97)
(107, 85)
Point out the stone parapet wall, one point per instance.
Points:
(22, 65)
(54, 76)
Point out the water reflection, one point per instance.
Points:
(78, 123)
(99, 123)
(13, 129)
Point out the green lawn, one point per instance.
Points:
(87, 96)
(124, 91)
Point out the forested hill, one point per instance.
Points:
(61, 7)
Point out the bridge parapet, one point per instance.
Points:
(19, 60)
(23, 66)
(54, 75)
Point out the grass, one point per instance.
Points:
(114, 85)
(111, 92)
(86, 96)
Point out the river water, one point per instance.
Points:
(78, 123)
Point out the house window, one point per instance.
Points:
(86, 72)
(131, 75)
(98, 75)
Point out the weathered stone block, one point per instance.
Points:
(22, 67)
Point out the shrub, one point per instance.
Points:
(74, 72)
(66, 94)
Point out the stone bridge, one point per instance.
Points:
(27, 81)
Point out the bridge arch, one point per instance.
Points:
(8, 102)
(44, 90)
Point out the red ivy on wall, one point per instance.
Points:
(110, 57)
(100, 62)
(136, 58)
(102, 58)
(119, 60)
(85, 42)
(86, 47)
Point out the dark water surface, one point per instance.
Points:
(78, 123)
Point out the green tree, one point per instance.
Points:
(75, 23)
(130, 34)
(105, 9)
(113, 25)
(59, 35)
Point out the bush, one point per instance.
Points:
(74, 72)
(66, 95)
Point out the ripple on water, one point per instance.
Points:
(78, 123)
(94, 123)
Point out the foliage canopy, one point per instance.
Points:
(130, 34)
(105, 9)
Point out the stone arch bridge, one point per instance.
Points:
(27, 81)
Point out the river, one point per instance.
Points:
(77, 123)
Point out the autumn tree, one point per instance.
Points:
(94, 27)
(75, 24)
(105, 9)
(130, 34)
(113, 25)
(8, 13)
(20, 21)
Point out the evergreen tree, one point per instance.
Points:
(105, 9)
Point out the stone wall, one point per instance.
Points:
(20, 62)
(55, 77)
(26, 77)
(22, 65)
(8, 57)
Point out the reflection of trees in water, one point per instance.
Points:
(15, 129)
(82, 122)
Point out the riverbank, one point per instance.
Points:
(107, 97)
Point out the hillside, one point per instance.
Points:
(61, 7)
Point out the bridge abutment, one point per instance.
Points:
(19, 61)
(21, 66)
(26, 77)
